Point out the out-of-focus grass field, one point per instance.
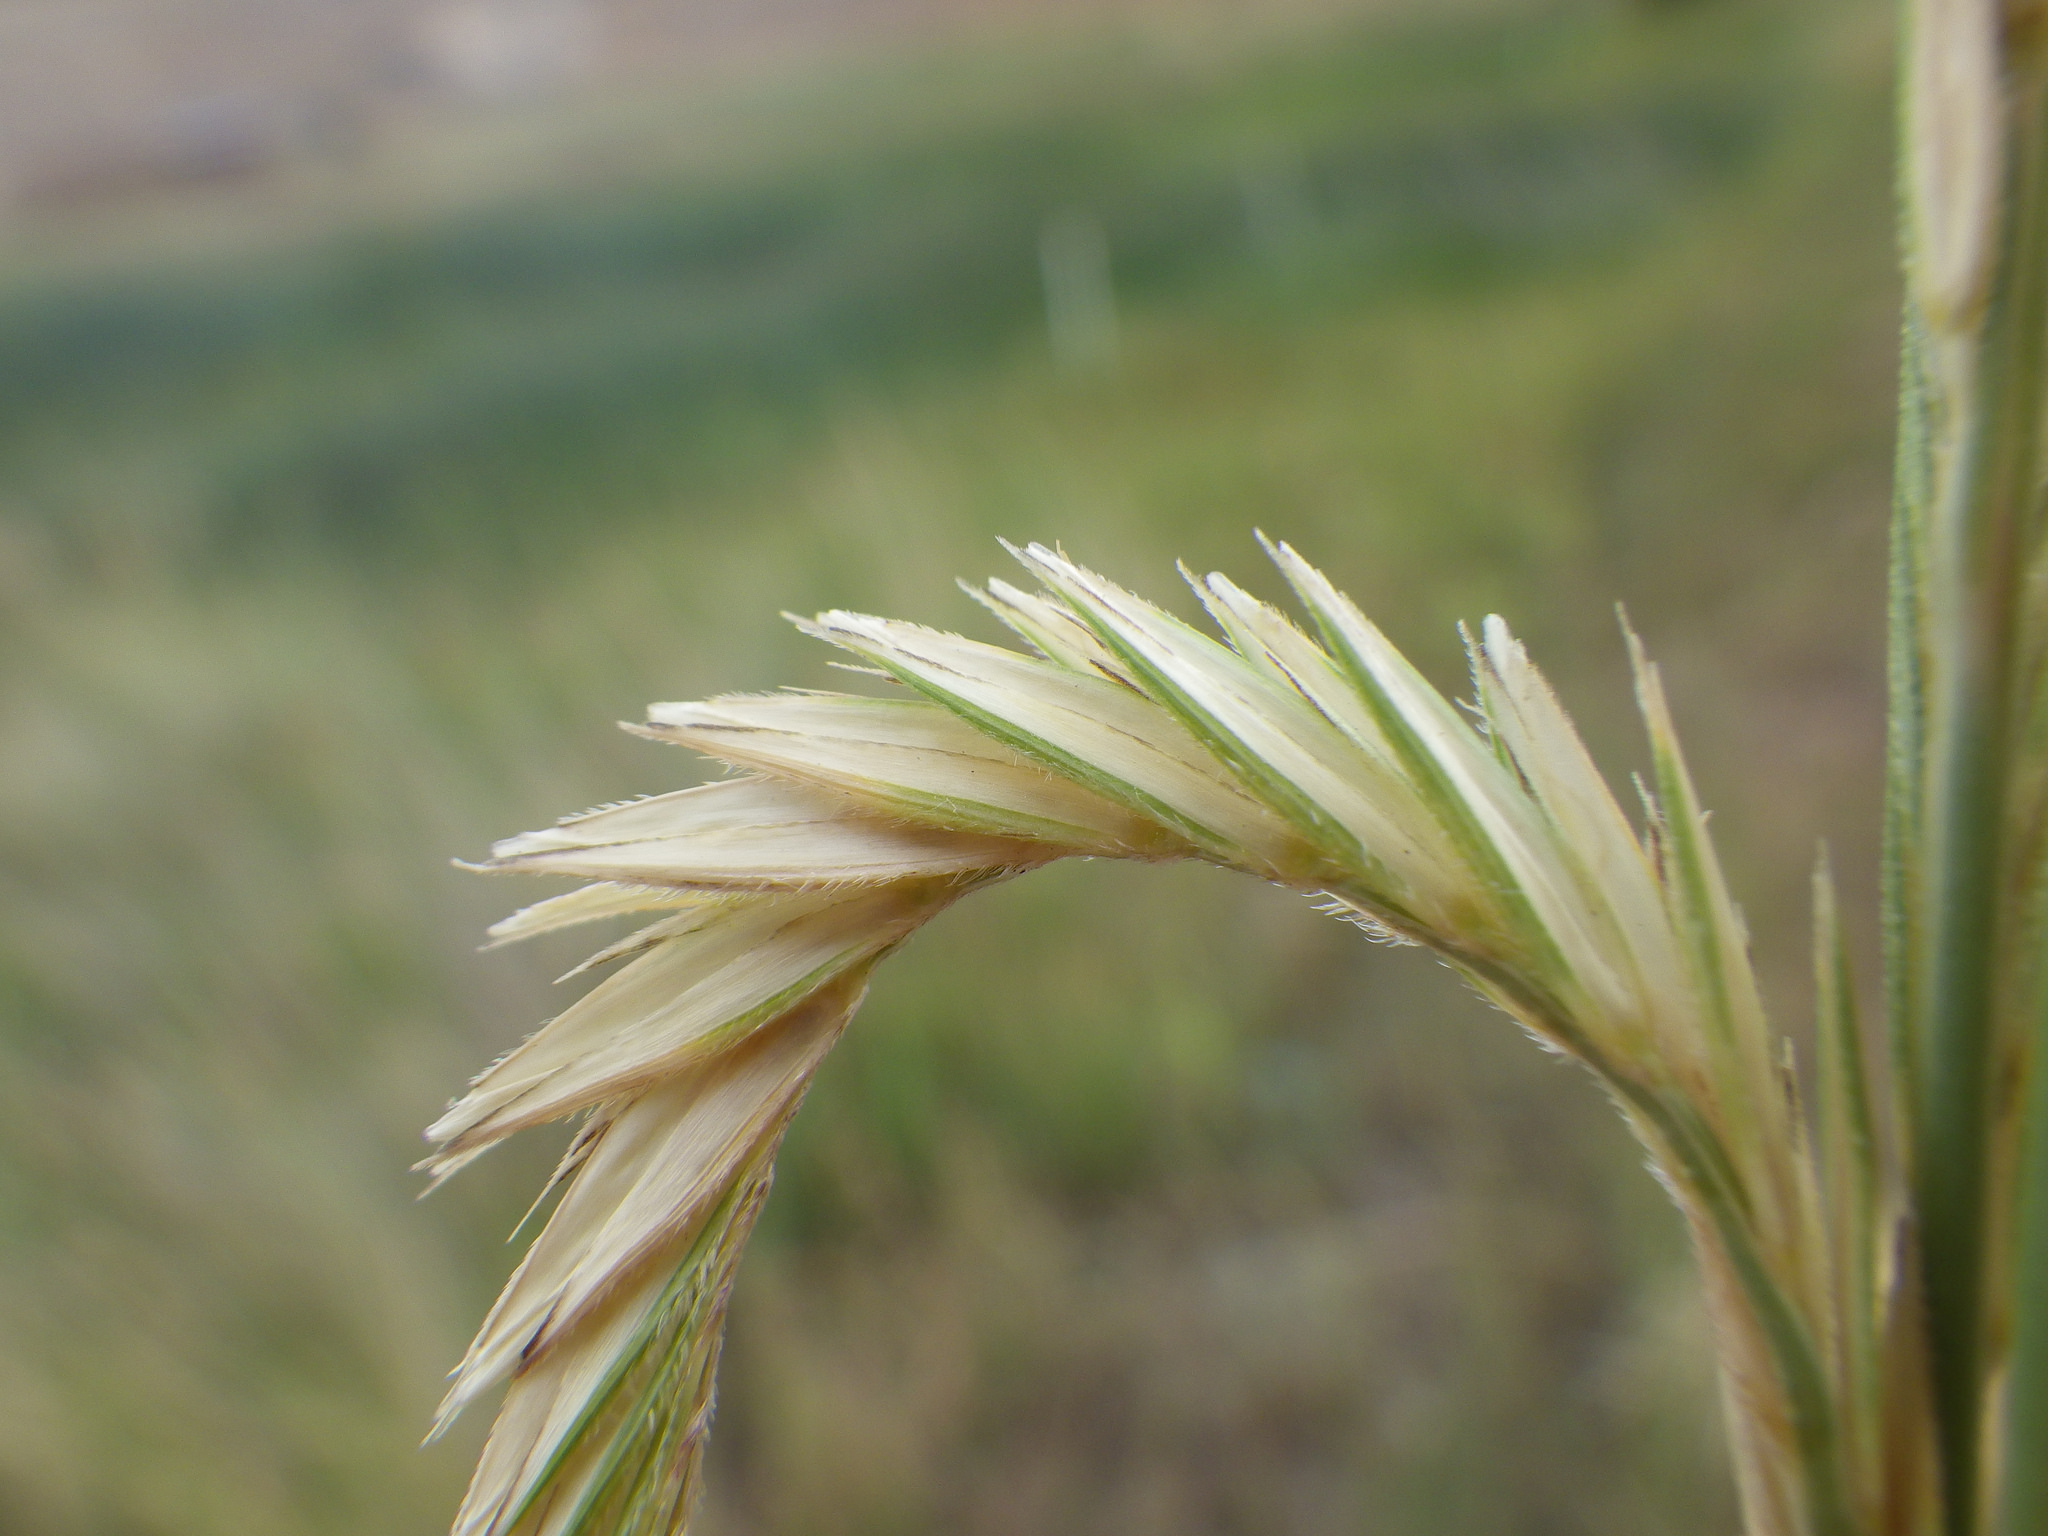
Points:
(1138, 1201)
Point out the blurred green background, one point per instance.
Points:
(343, 508)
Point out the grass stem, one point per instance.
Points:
(1985, 371)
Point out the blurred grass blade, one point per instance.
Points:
(1851, 1175)
(2024, 1505)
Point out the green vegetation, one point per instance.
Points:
(1119, 1210)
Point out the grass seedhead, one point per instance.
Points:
(1872, 1234)
(1333, 767)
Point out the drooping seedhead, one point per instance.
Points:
(1327, 764)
